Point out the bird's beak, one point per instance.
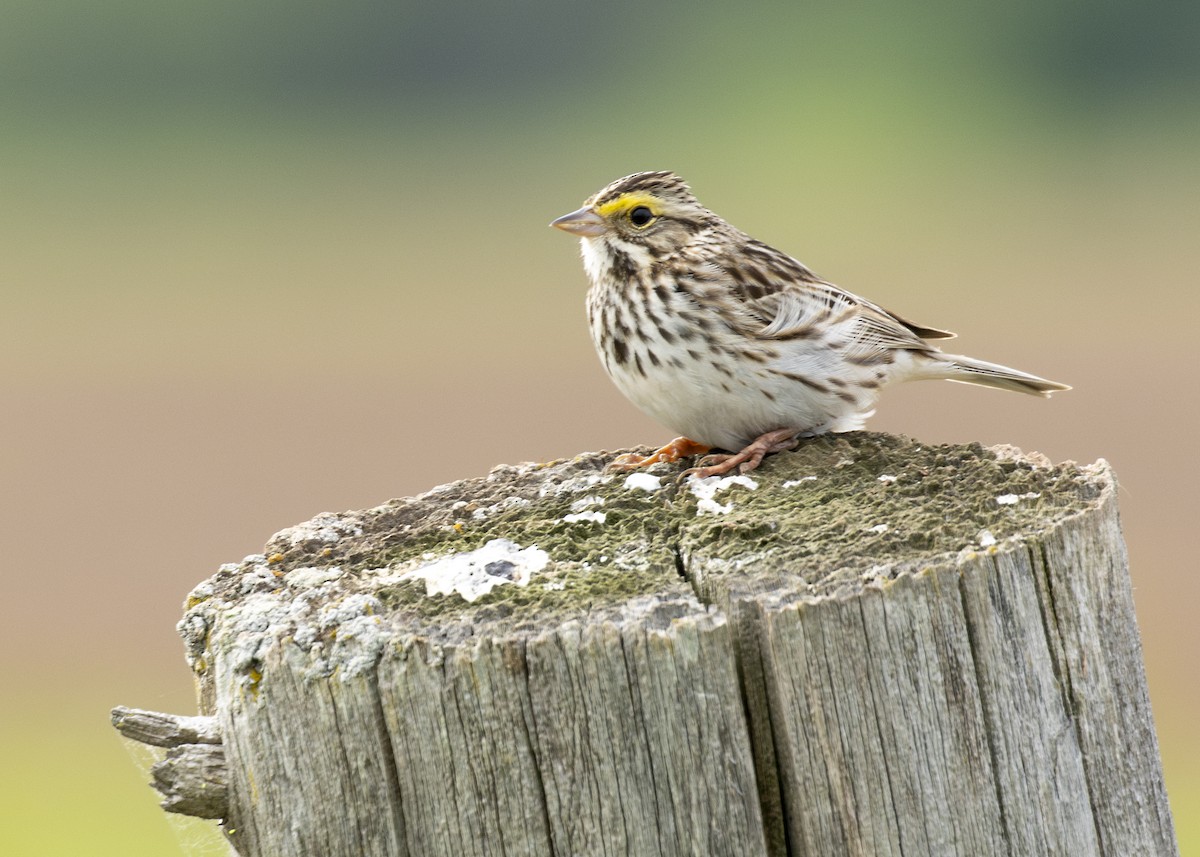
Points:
(585, 223)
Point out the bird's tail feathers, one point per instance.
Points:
(968, 370)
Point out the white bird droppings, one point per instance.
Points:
(586, 503)
(705, 491)
(576, 517)
(478, 572)
(1012, 499)
(887, 478)
(792, 483)
(986, 539)
(642, 482)
(879, 528)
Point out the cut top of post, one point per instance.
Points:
(533, 546)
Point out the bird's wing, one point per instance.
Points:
(778, 298)
(821, 310)
(791, 299)
(797, 307)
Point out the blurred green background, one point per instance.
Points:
(266, 259)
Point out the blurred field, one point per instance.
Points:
(257, 265)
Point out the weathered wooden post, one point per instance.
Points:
(869, 646)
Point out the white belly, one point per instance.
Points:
(728, 405)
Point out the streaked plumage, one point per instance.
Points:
(724, 339)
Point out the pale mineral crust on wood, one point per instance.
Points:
(871, 646)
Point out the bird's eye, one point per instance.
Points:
(640, 216)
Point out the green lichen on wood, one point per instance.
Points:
(841, 505)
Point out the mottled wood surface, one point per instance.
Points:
(873, 647)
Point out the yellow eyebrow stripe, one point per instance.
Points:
(627, 201)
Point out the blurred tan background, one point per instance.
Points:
(264, 260)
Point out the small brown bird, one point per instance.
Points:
(734, 344)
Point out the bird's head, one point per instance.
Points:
(655, 213)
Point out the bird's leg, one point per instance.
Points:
(749, 458)
(680, 447)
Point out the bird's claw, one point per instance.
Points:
(680, 447)
(748, 459)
